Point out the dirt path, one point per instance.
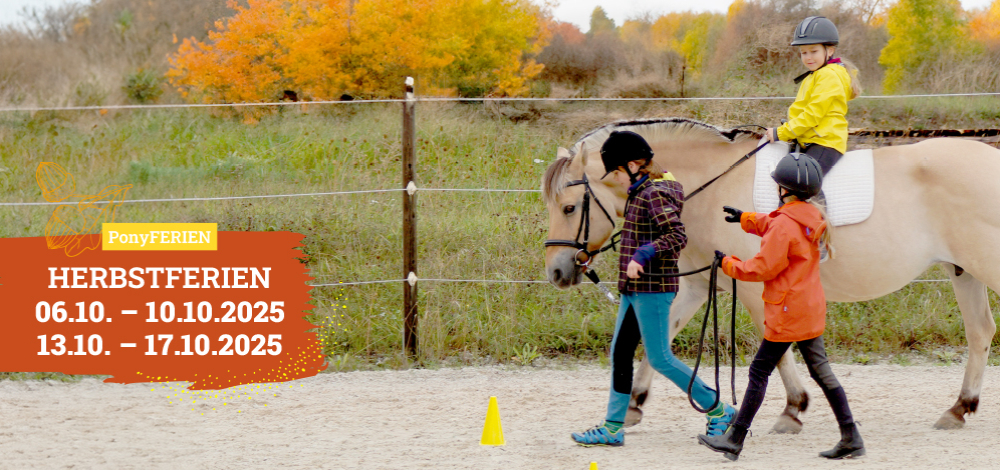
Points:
(433, 419)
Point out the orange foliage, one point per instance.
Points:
(241, 63)
(568, 31)
(985, 26)
(323, 48)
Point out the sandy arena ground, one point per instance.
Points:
(434, 419)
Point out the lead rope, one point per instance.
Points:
(713, 307)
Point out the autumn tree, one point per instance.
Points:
(691, 35)
(567, 59)
(600, 23)
(326, 47)
(636, 31)
(921, 32)
(985, 27)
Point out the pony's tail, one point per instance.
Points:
(827, 236)
(852, 70)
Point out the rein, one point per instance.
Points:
(731, 168)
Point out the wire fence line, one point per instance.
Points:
(500, 281)
(272, 196)
(483, 281)
(455, 100)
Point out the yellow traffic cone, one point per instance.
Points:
(492, 430)
(593, 465)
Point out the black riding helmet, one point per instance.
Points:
(622, 147)
(799, 174)
(815, 30)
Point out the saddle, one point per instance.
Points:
(849, 186)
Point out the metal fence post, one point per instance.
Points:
(409, 223)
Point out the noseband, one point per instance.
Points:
(584, 228)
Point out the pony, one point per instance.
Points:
(936, 204)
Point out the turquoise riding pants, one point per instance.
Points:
(646, 316)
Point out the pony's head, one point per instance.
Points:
(581, 217)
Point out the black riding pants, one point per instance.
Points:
(814, 355)
(825, 156)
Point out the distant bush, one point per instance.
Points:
(54, 54)
(143, 86)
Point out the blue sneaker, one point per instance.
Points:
(600, 435)
(717, 425)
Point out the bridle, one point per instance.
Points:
(584, 228)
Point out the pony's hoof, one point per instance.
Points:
(787, 425)
(949, 421)
(633, 416)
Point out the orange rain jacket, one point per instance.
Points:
(788, 264)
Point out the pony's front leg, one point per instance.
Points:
(691, 294)
(795, 393)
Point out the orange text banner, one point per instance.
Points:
(214, 318)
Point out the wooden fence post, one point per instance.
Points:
(409, 224)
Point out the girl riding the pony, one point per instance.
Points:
(794, 302)
(817, 119)
(652, 237)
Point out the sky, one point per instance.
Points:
(578, 11)
(573, 11)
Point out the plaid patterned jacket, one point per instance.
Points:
(653, 215)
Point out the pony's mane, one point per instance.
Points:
(663, 129)
(656, 129)
(555, 179)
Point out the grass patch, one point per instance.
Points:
(186, 153)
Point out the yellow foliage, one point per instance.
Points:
(920, 30)
(667, 32)
(322, 48)
(689, 34)
(735, 8)
(696, 43)
(636, 32)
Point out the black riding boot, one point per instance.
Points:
(850, 446)
(730, 443)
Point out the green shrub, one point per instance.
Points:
(143, 86)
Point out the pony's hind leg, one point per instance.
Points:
(797, 398)
(979, 330)
(640, 392)
(690, 296)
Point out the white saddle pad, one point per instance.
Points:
(849, 187)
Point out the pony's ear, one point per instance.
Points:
(583, 155)
(562, 153)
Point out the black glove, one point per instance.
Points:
(734, 214)
(719, 254)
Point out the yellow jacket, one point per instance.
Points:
(819, 113)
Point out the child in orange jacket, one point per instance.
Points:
(795, 306)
